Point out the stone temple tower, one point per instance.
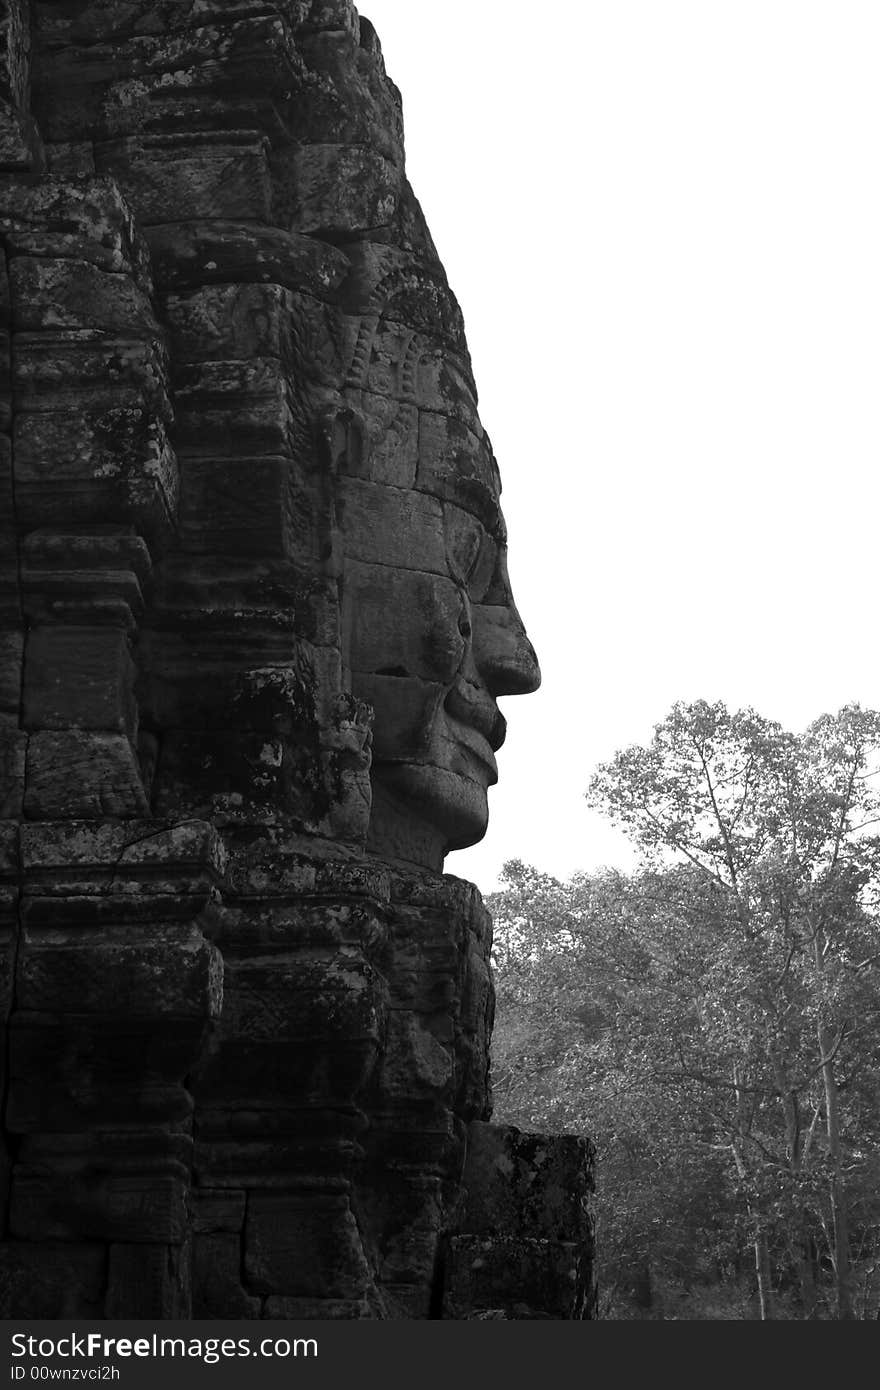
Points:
(254, 621)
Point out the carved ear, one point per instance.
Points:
(342, 442)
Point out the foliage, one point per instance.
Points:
(714, 1021)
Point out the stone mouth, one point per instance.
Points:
(473, 747)
(478, 723)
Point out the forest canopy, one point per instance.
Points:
(712, 1021)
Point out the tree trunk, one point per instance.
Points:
(837, 1191)
(762, 1255)
(762, 1270)
(800, 1242)
(807, 1276)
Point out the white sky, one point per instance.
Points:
(662, 221)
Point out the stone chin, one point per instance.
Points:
(428, 801)
(421, 812)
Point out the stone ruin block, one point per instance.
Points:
(254, 623)
(524, 1245)
(52, 1280)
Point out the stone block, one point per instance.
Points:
(52, 1280)
(227, 323)
(407, 706)
(54, 371)
(119, 974)
(217, 693)
(11, 653)
(351, 797)
(444, 386)
(5, 300)
(347, 877)
(217, 1279)
(70, 219)
(350, 103)
(176, 179)
(82, 775)
(8, 943)
(414, 293)
(79, 677)
(52, 294)
(192, 254)
(13, 753)
(20, 147)
(149, 1281)
(216, 1212)
(406, 1302)
(473, 1038)
(131, 1207)
(275, 1164)
(152, 860)
(260, 866)
(431, 647)
(390, 526)
(106, 22)
(451, 456)
(305, 1245)
(388, 365)
(410, 1213)
(79, 468)
(85, 577)
(239, 1067)
(190, 61)
(260, 923)
(236, 408)
(538, 1185)
(415, 1065)
(286, 998)
(522, 1277)
(343, 190)
(7, 495)
(10, 589)
(332, 14)
(93, 1071)
(391, 426)
(71, 158)
(10, 855)
(247, 776)
(15, 45)
(425, 1140)
(5, 384)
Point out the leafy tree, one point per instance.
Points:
(714, 1020)
(783, 828)
(584, 1040)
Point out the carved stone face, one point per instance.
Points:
(432, 634)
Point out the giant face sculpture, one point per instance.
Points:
(432, 635)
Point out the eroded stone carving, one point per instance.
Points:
(430, 631)
(255, 617)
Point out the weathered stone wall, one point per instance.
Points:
(254, 618)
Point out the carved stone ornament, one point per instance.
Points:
(254, 621)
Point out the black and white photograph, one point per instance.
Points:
(422, 901)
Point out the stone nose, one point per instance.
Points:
(503, 654)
